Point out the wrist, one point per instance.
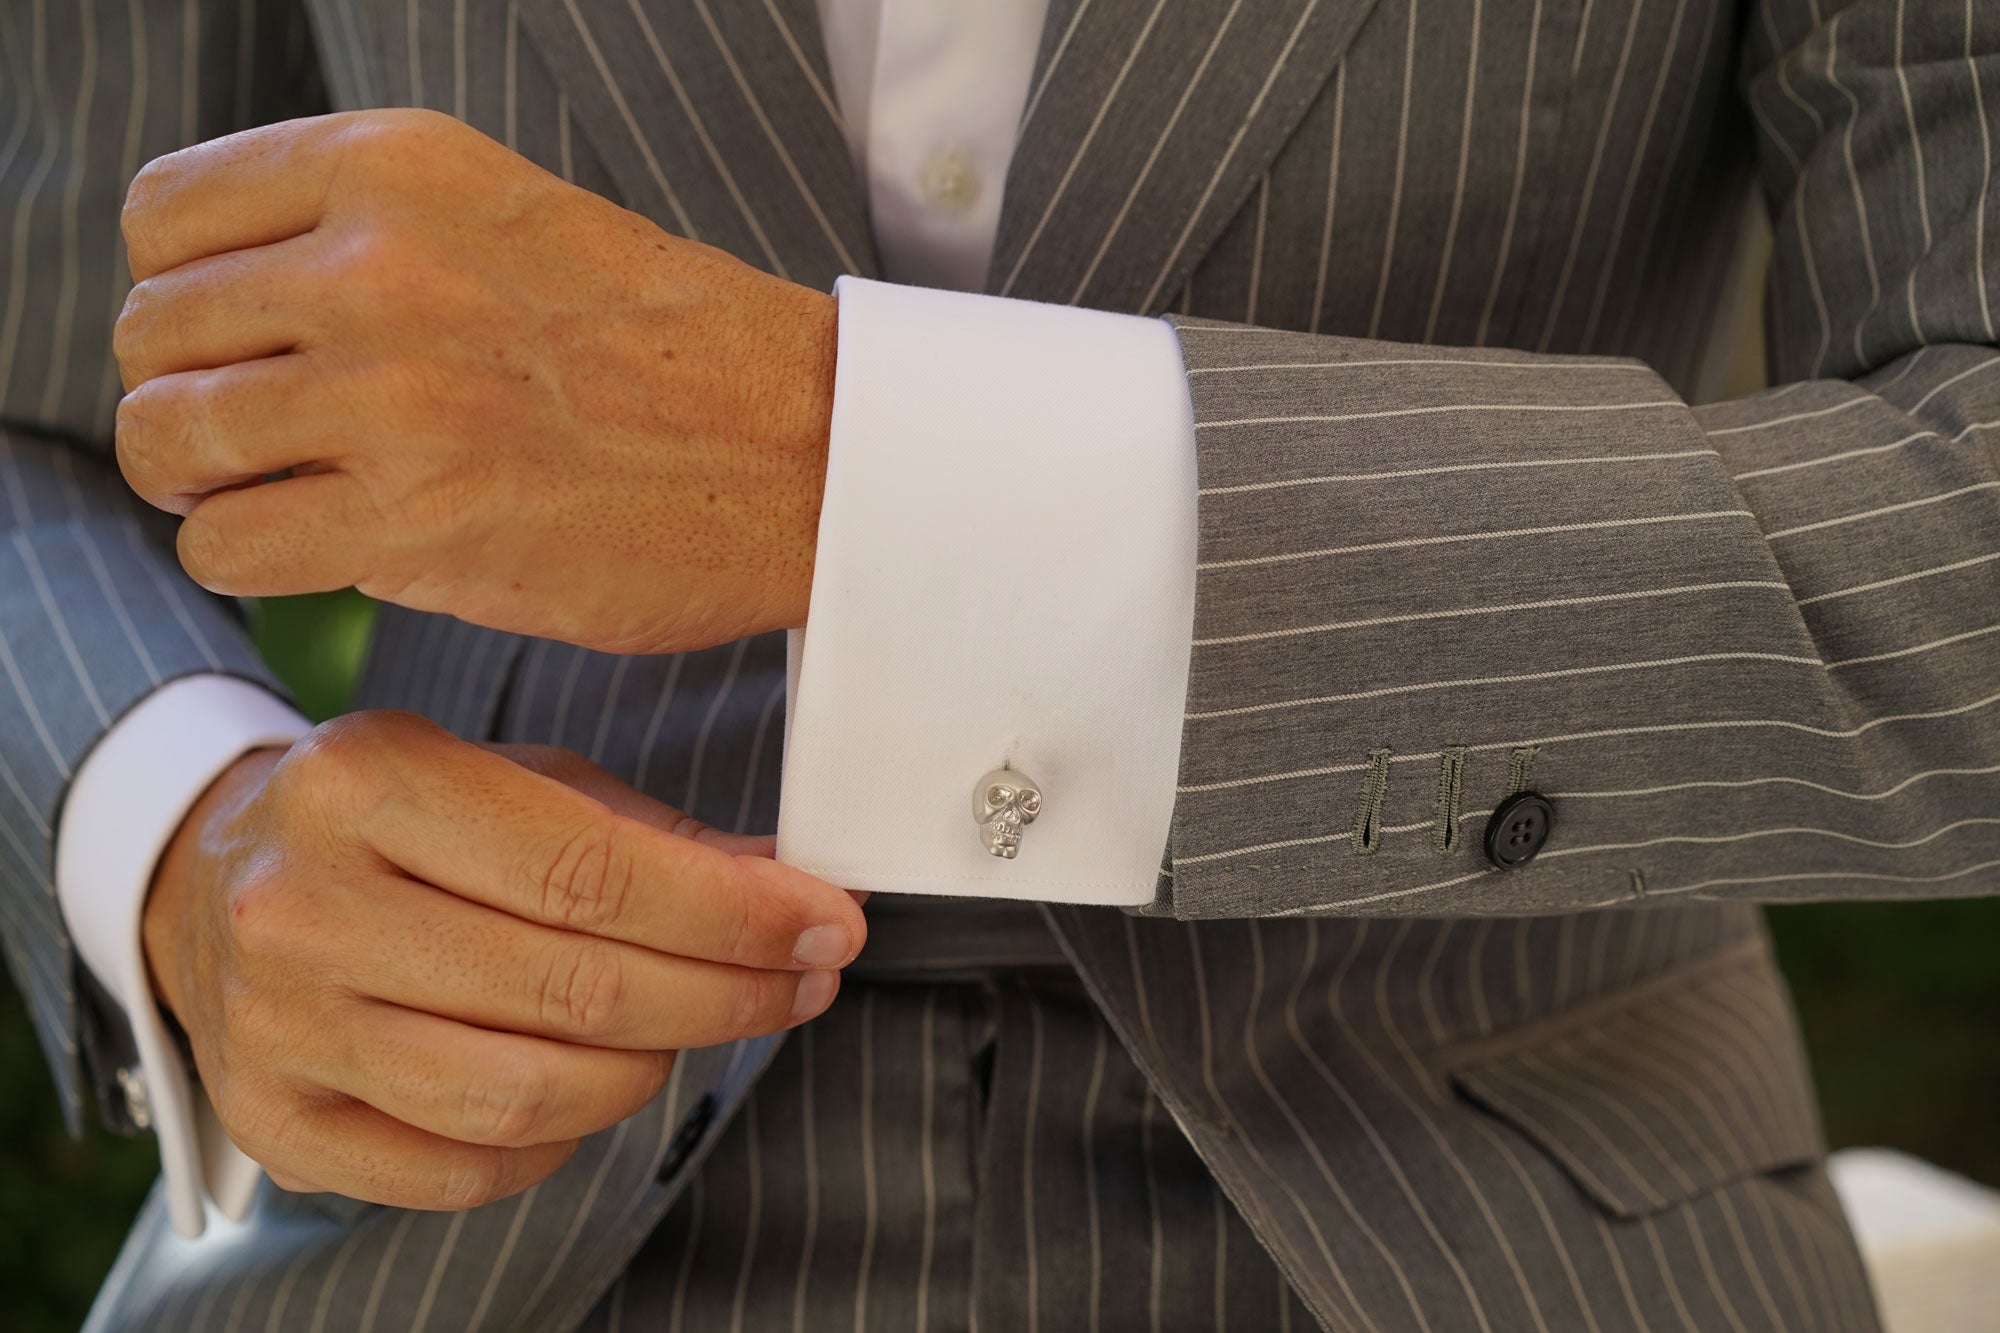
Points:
(170, 898)
(806, 425)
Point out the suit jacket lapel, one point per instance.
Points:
(717, 119)
(1147, 124)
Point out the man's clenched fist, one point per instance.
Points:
(416, 971)
(488, 392)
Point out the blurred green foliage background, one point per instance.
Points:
(1901, 1004)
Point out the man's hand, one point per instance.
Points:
(416, 971)
(495, 394)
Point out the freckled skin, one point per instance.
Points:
(378, 1012)
(504, 397)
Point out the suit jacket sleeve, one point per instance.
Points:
(95, 612)
(1749, 650)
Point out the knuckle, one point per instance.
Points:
(583, 990)
(739, 925)
(155, 429)
(206, 553)
(343, 745)
(256, 1039)
(511, 1105)
(423, 125)
(347, 752)
(687, 826)
(325, 750)
(658, 1071)
(391, 128)
(382, 264)
(400, 146)
(140, 424)
(448, 494)
(152, 326)
(377, 262)
(349, 768)
(267, 1128)
(314, 766)
(373, 266)
(139, 219)
(475, 1177)
(761, 1003)
(137, 320)
(585, 879)
(260, 923)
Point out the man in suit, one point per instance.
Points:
(1452, 683)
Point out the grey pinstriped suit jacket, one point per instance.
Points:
(1461, 532)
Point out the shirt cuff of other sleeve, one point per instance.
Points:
(121, 811)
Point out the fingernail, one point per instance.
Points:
(814, 994)
(821, 946)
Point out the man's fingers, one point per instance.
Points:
(247, 189)
(579, 774)
(302, 534)
(496, 1088)
(350, 1148)
(184, 435)
(215, 312)
(528, 845)
(425, 949)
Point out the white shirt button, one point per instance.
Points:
(949, 182)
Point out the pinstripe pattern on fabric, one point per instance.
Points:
(1338, 1086)
(1742, 673)
(754, 161)
(978, 1147)
(1782, 595)
(1113, 214)
(1661, 1120)
(535, 1261)
(94, 613)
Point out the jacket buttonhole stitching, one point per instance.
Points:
(1451, 783)
(1518, 765)
(1374, 790)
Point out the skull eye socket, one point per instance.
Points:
(997, 796)
(1031, 802)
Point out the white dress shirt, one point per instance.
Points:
(1005, 574)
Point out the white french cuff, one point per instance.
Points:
(122, 809)
(1004, 579)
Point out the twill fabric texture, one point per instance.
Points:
(1447, 277)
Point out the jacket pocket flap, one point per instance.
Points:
(1662, 1091)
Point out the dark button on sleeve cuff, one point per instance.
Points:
(1519, 828)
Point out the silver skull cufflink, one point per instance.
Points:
(1004, 803)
